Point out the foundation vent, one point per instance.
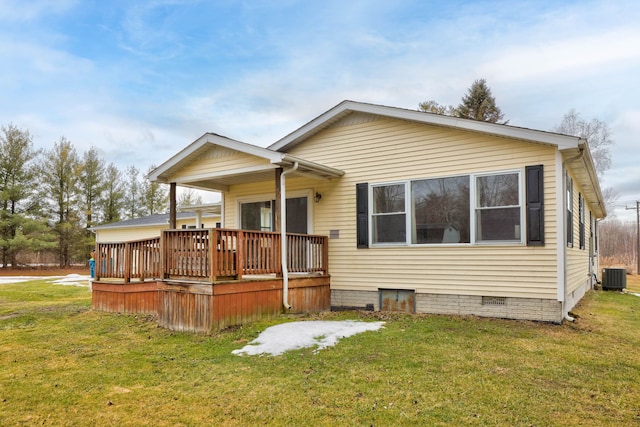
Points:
(494, 300)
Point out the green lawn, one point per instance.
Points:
(64, 364)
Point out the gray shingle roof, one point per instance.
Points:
(146, 221)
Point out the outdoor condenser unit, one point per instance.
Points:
(614, 279)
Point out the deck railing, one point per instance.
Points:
(139, 259)
(210, 254)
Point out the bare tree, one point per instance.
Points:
(599, 139)
(188, 197)
(597, 134)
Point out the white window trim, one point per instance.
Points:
(474, 207)
(267, 197)
(472, 211)
(407, 214)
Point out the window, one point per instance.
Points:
(498, 207)
(440, 210)
(256, 216)
(261, 215)
(388, 218)
(581, 219)
(569, 183)
(480, 208)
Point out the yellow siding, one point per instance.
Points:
(387, 150)
(216, 161)
(578, 259)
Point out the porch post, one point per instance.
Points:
(278, 212)
(172, 206)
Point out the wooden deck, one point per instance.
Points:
(209, 279)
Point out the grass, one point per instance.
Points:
(64, 364)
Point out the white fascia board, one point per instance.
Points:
(561, 141)
(223, 174)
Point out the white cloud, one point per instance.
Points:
(565, 59)
(20, 10)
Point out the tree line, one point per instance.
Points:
(49, 198)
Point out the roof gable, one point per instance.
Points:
(347, 108)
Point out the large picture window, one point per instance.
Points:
(480, 208)
(440, 210)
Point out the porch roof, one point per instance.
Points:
(221, 180)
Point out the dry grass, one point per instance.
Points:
(63, 364)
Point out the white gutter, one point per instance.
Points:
(283, 236)
(565, 313)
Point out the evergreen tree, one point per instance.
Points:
(479, 104)
(92, 183)
(155, 196)
(133, 194)
(113, 198)
(60, 172)
(18, 204)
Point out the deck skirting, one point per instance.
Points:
(206, 307)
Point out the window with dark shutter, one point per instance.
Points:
(535, 205)
(569, 185)
(581, 220)
(362, 215)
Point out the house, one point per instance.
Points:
(200, 216)
(424, 213)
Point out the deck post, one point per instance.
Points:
(240, 249)
(172, 206)
(276, 225)
(325, 254)
(213, 251)
(128, 260)
(163, 255)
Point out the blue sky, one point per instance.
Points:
(140, 80)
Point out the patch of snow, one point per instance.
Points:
(296, 335)
(73, 280)
(4, 280)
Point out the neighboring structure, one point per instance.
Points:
(425, 213)
(200, 216)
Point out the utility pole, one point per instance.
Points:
(637, 208)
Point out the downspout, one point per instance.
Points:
(283, 236)
(565, 313)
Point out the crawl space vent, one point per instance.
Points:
(494, 300)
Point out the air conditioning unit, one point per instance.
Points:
(614, 279)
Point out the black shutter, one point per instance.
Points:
(535, 205)
(362, 215)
